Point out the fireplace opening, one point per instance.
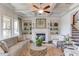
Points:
(42, 35)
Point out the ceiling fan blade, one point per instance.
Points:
(46, 7)
(33, 11)
(35, 6)
(47, 11)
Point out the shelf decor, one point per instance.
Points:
(55, 24)
(41, 23)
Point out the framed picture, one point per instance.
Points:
(41, 23)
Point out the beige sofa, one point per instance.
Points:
(15, 46)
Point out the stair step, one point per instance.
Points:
(75, 31)
(75, 34)
(73, 28)
(75, 37)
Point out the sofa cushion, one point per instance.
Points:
(20, 38)
(4, 46)
(11, 41)
(16, 49)
(24, 37)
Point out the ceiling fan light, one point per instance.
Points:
(40, 11)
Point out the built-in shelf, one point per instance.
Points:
(27, 27)
(54, 28)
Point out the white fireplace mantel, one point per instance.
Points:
(45, 31)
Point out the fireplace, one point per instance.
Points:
(41, 32)
(42, 35)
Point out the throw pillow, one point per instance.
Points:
(1, 50)
(4, 46)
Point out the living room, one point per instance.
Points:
(39, 29)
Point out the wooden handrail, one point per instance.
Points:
(74, 27)
(74, 17)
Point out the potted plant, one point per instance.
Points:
(66, 39)
(39, 41)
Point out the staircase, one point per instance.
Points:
(75, 33)
(75, 27)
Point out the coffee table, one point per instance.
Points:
(38, 51)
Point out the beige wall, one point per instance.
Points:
(7, 11)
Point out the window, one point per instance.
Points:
(16, 27)
(6, 27)
(9, 27)
(0, 28)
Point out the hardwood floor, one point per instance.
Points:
(51, 51)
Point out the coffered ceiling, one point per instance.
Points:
(25, 9)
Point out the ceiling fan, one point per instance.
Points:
(41, 10)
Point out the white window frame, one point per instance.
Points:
(0, 28)
(12, 33)
(6, 28)
(15, 19)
